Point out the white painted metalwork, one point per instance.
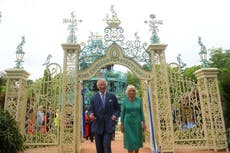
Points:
(185, 114)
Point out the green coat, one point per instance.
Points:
(131, 118)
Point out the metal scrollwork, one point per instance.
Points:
(92, 51)
(72, 27)
(154, 28)
(47, 62)
(137, 51)
(180, 62)
(203, 53)
(113, 32)
(20, 54)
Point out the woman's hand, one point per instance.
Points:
(143, 126)
(122, 127)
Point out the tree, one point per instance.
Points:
(46, 82)
(2, 82)
(132, 79)
(219, 58)
(189, 72)
(2, 88)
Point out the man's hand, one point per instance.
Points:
(114, 118)
(92, 117)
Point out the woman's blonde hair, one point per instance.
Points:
(130, 87)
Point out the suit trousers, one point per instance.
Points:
(103, 142)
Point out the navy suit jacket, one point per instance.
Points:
(103, 122)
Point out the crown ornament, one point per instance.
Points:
(114, 22)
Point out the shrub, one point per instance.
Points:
(11, 140)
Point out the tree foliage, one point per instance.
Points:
(189, 72)
(132, 79)
(2, 83)
(2, 88)
(46, 82)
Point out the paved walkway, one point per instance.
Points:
(117, 147)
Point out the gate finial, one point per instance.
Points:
(114, 22)
(113, 30)
(180, 62)
(47, 62)
(20, 54)
(72, 27)
(154, 28)
(203, 53)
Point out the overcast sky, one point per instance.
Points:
(41, 22)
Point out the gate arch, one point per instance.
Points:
(157, 80)
(114, 55)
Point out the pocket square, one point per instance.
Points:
(110, 100)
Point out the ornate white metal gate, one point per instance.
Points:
(42, 124)
(186, 114)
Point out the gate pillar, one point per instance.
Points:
(160, 99)
(144, 89)
(16, 95)
(211, 108)
(70, 138)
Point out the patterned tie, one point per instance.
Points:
(103, 99)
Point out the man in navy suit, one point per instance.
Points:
(103, 112)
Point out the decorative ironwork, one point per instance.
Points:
(203, 54)
(16, 96)
(47, 62)
(44, 98)
(113, 32)
(161, 98)
(180, 62)
(20, 54)
(71, 102)
(92, 51)
(154, 28)
(12, 98)
(186, 114)
(72, 27)
(137, 51)
(219, 134)
(96, 48)
(213, 120)
(186, 111)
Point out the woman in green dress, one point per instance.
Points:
(132, 121)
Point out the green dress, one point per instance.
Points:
(131, 118)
